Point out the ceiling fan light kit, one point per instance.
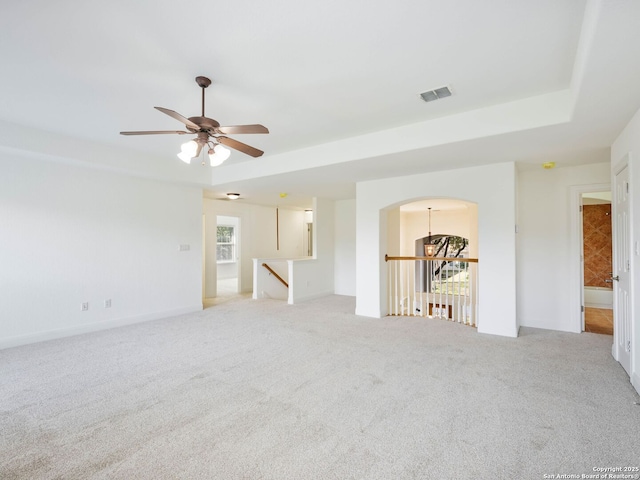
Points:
(188, 151)
(208, 132)
(218, 154)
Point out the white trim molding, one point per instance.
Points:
(17, 341)
(575, 277)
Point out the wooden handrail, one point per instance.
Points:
(272, 271)
(440, 259)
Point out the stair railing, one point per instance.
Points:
(436, 287)
(273, 272)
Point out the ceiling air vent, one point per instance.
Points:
(435, 94)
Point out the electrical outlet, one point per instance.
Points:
(107, 303)
(84, 306)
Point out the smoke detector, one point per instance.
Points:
(436, 94)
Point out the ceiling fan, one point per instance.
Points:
(208, 133)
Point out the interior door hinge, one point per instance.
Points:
(582, 308)
(580, 207)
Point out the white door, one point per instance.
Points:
(621, 267)
(582, 302)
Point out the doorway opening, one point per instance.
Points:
(227, 256)
(435, 274)
(597, 262)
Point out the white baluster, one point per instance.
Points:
(389, 289)
(401, 287)
(440, 291)
(408, 272)
(421, 288)
(395, 286)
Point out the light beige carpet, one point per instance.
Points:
(263, 390)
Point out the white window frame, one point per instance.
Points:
(232, 243)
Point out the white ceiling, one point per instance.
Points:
(336, 82)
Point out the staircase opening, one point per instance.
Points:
(443, 284)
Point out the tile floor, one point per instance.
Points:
(598, 320)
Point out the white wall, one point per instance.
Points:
(307, 277)
(70, 235)
(394, 230)
(492, 187)
(345, 248)
(314, 277)
(415, 225)
(629, 143)
(545, 254)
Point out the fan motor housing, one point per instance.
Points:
(204, 123)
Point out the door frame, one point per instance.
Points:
(576, 280)
(625, 162)
(238, 263)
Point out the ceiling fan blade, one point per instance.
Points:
(241, 147)
(178, 117)
(155, 132)
(236, 129)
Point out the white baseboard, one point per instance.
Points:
(635, 381)
(505, 332)
(368, 313)
(313, 296)
(19, 340)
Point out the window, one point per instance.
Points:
(226, 244)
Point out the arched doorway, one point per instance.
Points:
(437, 286)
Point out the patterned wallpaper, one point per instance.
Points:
(596, 231)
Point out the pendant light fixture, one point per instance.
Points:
(429, 248)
